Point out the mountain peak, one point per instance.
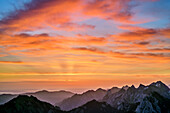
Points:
(25, 98)
(88, 91)
(28, 104)
(132, 86)
(141, 86)
(131, 89)
(114, 88)
(158, 84)
(100, 89)
(125, 87)
(42, 91)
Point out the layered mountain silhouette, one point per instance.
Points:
(52, 97)
(154, 98)
(80, 99)
(6, 97)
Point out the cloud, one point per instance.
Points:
(119, 10)
(165, 32)
(143, 34)
(37, 14)
(159, 49)
(152, 54)
(130, 27)
(18, 62)
(73, 27)
(125, 55)
(12, 62)
(144, 43)
(137, 35)
(43, 44)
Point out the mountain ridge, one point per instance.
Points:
(152, 98)
(133, 97)
(80, 99)
(51, 97)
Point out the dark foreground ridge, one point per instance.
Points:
(95, 107)
(26, 104)
(154, 98)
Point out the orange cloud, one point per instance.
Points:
(72, 27)
(130, 27)
(142, 34)
(12, 62)
(46, 42)
(119, 10)
(165, 32)
(135, 55)
(55, 14)
(52, 12)
(136, 35)
(18, 62)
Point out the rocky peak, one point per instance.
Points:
(125, 87)
(100, 89)
(159, 86)
(141, 86)
(133, 87)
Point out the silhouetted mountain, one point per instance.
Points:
(51, 97)
(80, 99)
(26, 104)
(95, 107)
(6, 97)
(133, 98)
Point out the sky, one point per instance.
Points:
(83, 44)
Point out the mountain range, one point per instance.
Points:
(52, 97)
(80, 99)
(153, 98)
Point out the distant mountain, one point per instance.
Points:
(110, 92)
(95, 107)
(26, 104)
(6, 97)
(149, 98)
(51, 97)
(80, 99)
